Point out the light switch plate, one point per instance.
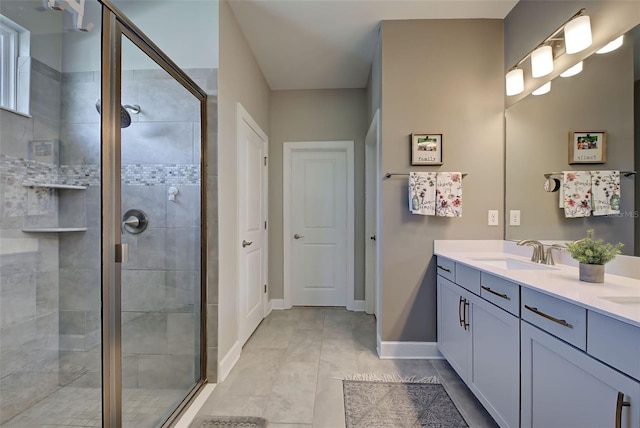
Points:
(493, 218)
(514, 218)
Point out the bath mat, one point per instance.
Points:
(228, 422)
(398, 405)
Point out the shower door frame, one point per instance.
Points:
(114, 26)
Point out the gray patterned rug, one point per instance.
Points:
(228, 422)
(399, 405)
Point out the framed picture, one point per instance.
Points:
(587, 147)
(426, 149)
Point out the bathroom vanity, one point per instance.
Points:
(538, 347)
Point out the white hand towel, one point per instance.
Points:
(449, 194)
(605, 192)
(422, 193)
(576, 186)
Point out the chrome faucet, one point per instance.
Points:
(548, 258)
(538, 255)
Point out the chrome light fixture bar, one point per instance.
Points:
(577, 36)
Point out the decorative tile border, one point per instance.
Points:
(24, 170)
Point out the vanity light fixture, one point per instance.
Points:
(542, 61)
(572, 71)
(577, 34)
(543, 89)
(576, 37)
(611, 46)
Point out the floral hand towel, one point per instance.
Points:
(449, 194)
(576, 187)
(422, 193)
(605, 192)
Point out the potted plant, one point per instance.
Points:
(592, 255)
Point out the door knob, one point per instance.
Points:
(296, 236)
(246, 243)
(373, 238)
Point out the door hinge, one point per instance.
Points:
(265, 288)
(265, 161)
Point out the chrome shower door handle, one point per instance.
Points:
(246, 243)
(296, 236)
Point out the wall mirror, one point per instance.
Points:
(603, 97)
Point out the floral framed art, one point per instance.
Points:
(587, 147)
(426, 149)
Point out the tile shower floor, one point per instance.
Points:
(290, 370)
(81, 407)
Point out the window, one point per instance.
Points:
(15, 66)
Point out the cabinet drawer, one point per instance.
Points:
(468, 278)
(614, 342)
(562, 319)
(446, 268)
(500, 292)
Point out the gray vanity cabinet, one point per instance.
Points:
(563, 387)
(480, 340)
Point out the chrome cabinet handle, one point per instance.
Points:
(464, 313)
(549, 317)
(246, 243)
(460, 312)
(296, 236)
(504, 296)
(444, 268)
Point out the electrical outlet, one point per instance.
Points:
(514, 218)
(493, 217)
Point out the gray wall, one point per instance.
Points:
(315, 115)
(599, 98)
(240, 80)
(439, 76)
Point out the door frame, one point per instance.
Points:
(372, 179)
(288, 148)
(244, 116)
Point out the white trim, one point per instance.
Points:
(227, 363)
(275, 305)
(358, 306)
(408, 350)
(287, 149)
(244, 116)
(195, 406)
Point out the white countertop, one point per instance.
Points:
(560, 281)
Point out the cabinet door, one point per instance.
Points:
(454, 339)
(495, 379)
(563, 387)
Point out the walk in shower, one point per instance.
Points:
(101, 224)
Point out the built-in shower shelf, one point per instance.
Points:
(55, 186)
(53, 229)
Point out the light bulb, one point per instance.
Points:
(611, 46)
(515, 82)
(577, 34)
(542, 61)
(572, 71)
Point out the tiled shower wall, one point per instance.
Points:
(28, 262)
(50, 284)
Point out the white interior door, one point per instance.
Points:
(252, 217)
(319, 224)
(371, 216)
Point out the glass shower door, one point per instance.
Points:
(161, 223)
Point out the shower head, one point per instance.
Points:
(125, 117)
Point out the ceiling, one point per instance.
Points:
(321, 44)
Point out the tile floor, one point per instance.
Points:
(290, 370)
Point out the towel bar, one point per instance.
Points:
(625, 173)
(389, 174)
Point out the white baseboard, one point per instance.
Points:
(358, 305)
(195, 406)
(275, 304)
(408, 350)
(226, 364)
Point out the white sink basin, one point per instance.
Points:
(623, 300)
(511, 264)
